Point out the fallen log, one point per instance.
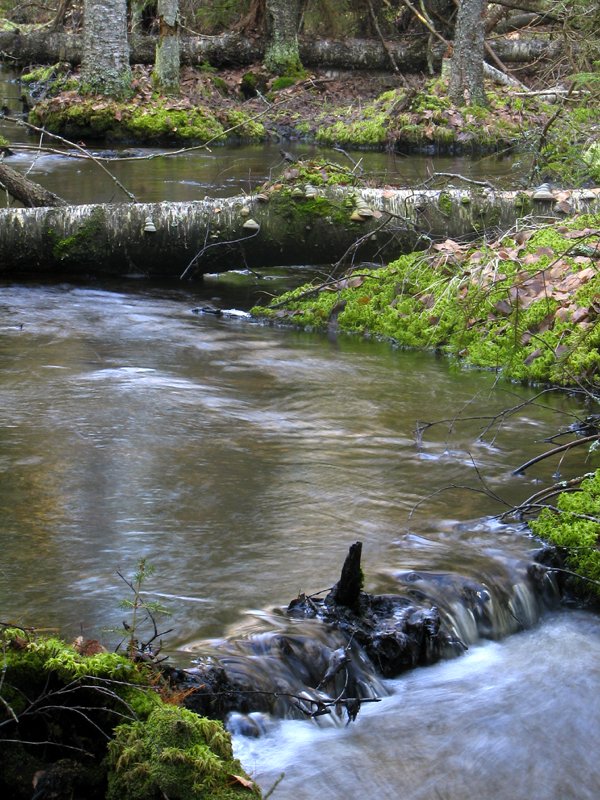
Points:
(283, 226)
(234, 50)
(31, 194)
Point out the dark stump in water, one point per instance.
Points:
(326, 653)
(395, 632)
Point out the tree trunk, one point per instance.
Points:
(31, 194)
(276, 229)
(105, 50)
(466, 69)
(231, 50)
(282, 53)
(166, 65)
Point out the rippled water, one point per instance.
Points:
(241, 461)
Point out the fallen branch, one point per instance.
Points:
(554, 451)
(31, 194)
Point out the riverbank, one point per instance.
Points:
(525, 305)
(341, 109)
(80, 722)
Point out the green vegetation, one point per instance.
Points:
(175, 754)
(526, 307)
(159, 121)
(85, 245)
(96, 719)
(407, 119)
(574, 527)
(283, 82)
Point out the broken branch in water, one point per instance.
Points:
(554, 451)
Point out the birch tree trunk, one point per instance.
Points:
(466, 68)
(105, 66)
(233, 50)
(167, 62)
(279, 228)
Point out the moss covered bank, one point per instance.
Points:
(80, 723)
(526, 305)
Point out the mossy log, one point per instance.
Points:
(282, 227)
(230, 49)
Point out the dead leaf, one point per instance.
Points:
(245, 782)
(504, 308)
(579, 315)
(564, 207)
(532, 356)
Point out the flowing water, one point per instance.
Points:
(241, 461)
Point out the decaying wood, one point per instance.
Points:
(346, 591)
(233, 49)
(273, 228)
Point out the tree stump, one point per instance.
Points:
(346, 591)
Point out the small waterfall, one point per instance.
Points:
(320, 660)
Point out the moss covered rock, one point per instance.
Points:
(176, 754)
(61, 705)
(574, 527)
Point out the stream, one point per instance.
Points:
(241, 461)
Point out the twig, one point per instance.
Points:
(461, 178)
(83, 150)
(560, 449)
(206, 247)
(275, 785)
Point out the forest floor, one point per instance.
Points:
(352, 109)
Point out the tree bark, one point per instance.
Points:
(282, 53)
(277, 229)
(231, 50)
(346, 591)
(105, 50)
(466, 68)
(167, 62)
(31, 194)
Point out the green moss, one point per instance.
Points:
(283, 82)
(174, 754)
(80, 702)
(219, 84)
(86, 245)
(282, 58)
(40, 74)
(416, 303)
(445, 203)
(161, 122)
(571, 529)
(361, 133)
(101, 118)
(245, 126)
